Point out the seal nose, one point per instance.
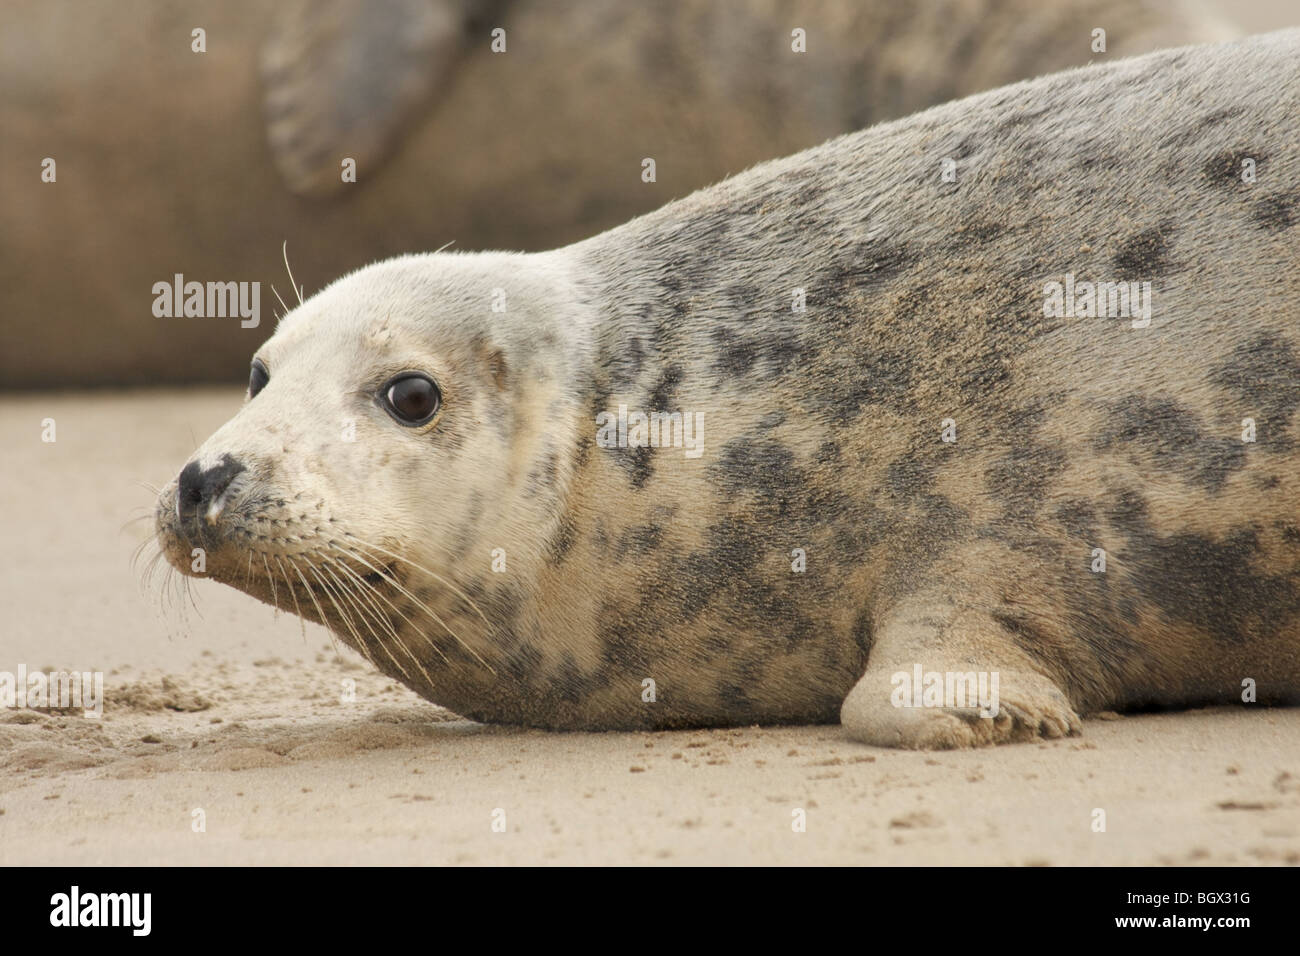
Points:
(197, 489)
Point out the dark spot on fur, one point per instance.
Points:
(734, 354)
(734, 697)
(640, 540)
(572, 684)
(625, 372)
(979, 233)
(909, 476)
(828, 452)
(1193, 132)
(523, 662)
(1170, 436)
(599, 401)
(875, 377)
(1144, 256)
(1264, 374)
(542, 476)
(1213, 585)
(736, 545)
(862, 634)
(760, 465)
(562, 542)
(1275, 213)
(1022, 477)
(1225, 169)
(963, 149)
(1078, 518)
(625, 640)
(637, 462)
(1029, 636)
(1019, 117)
(1128, 512)
(868, 264)
(582, 450)
(664, 390)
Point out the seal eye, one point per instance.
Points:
(411, 399)
(258, 376)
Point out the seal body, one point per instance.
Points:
(910, 444)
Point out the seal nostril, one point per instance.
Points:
(196, 488)
(188, 493)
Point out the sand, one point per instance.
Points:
(239, 714)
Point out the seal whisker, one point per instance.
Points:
(175, 589)
(429, 611)
(165, 597)
(145, 578)
(347, 596)
(433, 574)
(302, 623)
(342, 616)
(323, 619)
(359, 595)
(152, 567)
(296, 288)
(271, 581)
(358, 587)
(377, 593)
(424, 607)
(282, 305)
(149, 516)
(187, 592)
(347, 621)
(345, 593)
(139, 551)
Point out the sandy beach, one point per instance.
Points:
(231, 734)
(231, 710)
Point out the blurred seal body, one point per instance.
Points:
(526, 149)
(925, 452)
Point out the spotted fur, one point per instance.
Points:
(924, 302)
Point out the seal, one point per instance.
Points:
(954, 429)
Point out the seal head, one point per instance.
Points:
(395, 425)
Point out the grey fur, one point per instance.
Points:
(925, 302)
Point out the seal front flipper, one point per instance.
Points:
(943, 676)
(343, 77)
